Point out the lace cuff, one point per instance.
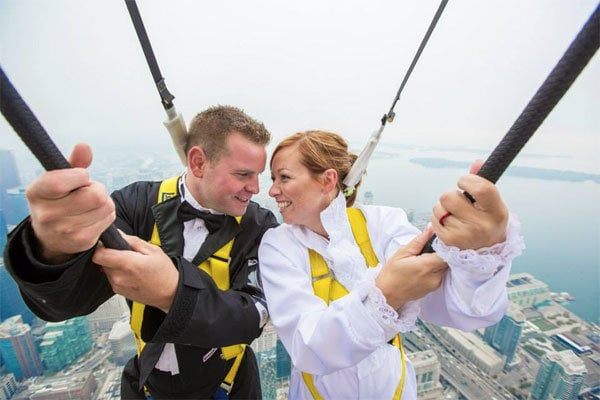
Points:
(389, 319)
(485, 262)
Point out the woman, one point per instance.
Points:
(340, 285)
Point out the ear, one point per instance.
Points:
(329, 180)
(197, 161)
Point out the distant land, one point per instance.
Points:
(522, 172)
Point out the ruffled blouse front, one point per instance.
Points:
(345, 346)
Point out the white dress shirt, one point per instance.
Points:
(194, 234)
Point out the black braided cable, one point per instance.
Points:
(165, 96)
(390, 114)
(573, 61)
(30, 130)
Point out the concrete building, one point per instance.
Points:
(526, 291)
(474, 349)
(105, 316)
(427, 369)
(77, 386)
(8, 386)
(15, 205)
(18, 349)
(561, 376)
(10, 299)
(64, 342)
(266, 341)
(10, 182)
(265, 347)
(9, 173)
(122, 342)
(3, 232)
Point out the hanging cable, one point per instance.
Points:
(30, 130)
(360, 165)
(175, 123)
(560, 79)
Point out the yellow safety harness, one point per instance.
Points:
(217, 266)
(328, 288)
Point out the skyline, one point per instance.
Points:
(298, 66)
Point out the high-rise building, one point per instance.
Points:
(122, 342)
(471, 346)
(267, 369)
(526, 291)
(11, 302)
(9, 174)
(274, 363)
(505, 335)
(10, 182)
(3, 232)
(8, 386)
(18, 350)
(561, 376)
(111, 311)
(75, 386)
(427, 370)
(15, 205)
(284, 362)
(64, 342)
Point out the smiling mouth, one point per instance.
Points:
(243, 199)
(283, 204)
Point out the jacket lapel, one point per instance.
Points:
(170, 229)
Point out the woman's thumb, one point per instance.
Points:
(415, 246)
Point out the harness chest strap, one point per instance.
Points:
(217, 266)
(326, 287)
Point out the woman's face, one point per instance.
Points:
(300, 196)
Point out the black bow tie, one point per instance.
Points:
(213, 222)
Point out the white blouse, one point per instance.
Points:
(345, 346)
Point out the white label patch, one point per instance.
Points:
(209, 354)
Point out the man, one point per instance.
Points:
(194, 306)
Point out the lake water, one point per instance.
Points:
(560, 220)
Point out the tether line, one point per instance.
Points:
(30, 130)
(574, 60)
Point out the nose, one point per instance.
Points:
(274, 190)
(253, 185)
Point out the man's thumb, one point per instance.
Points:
(81, 156)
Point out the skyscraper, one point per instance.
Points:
(505, 335)
(284, 362)
(122, 342)
(18, 349)
(561, 376)
(15, 205)
(9, 174)
(9, 182)
(109, 312)
(427, 370)
(3, 233)
(11, 302)
(63, 342)
(8, 386)
(526, 291)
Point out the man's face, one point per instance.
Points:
(227, 184)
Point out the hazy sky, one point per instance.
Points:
(300, 65)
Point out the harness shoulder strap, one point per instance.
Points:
(168, 188)
(358, 223)
(326, 287)
(217, 266)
